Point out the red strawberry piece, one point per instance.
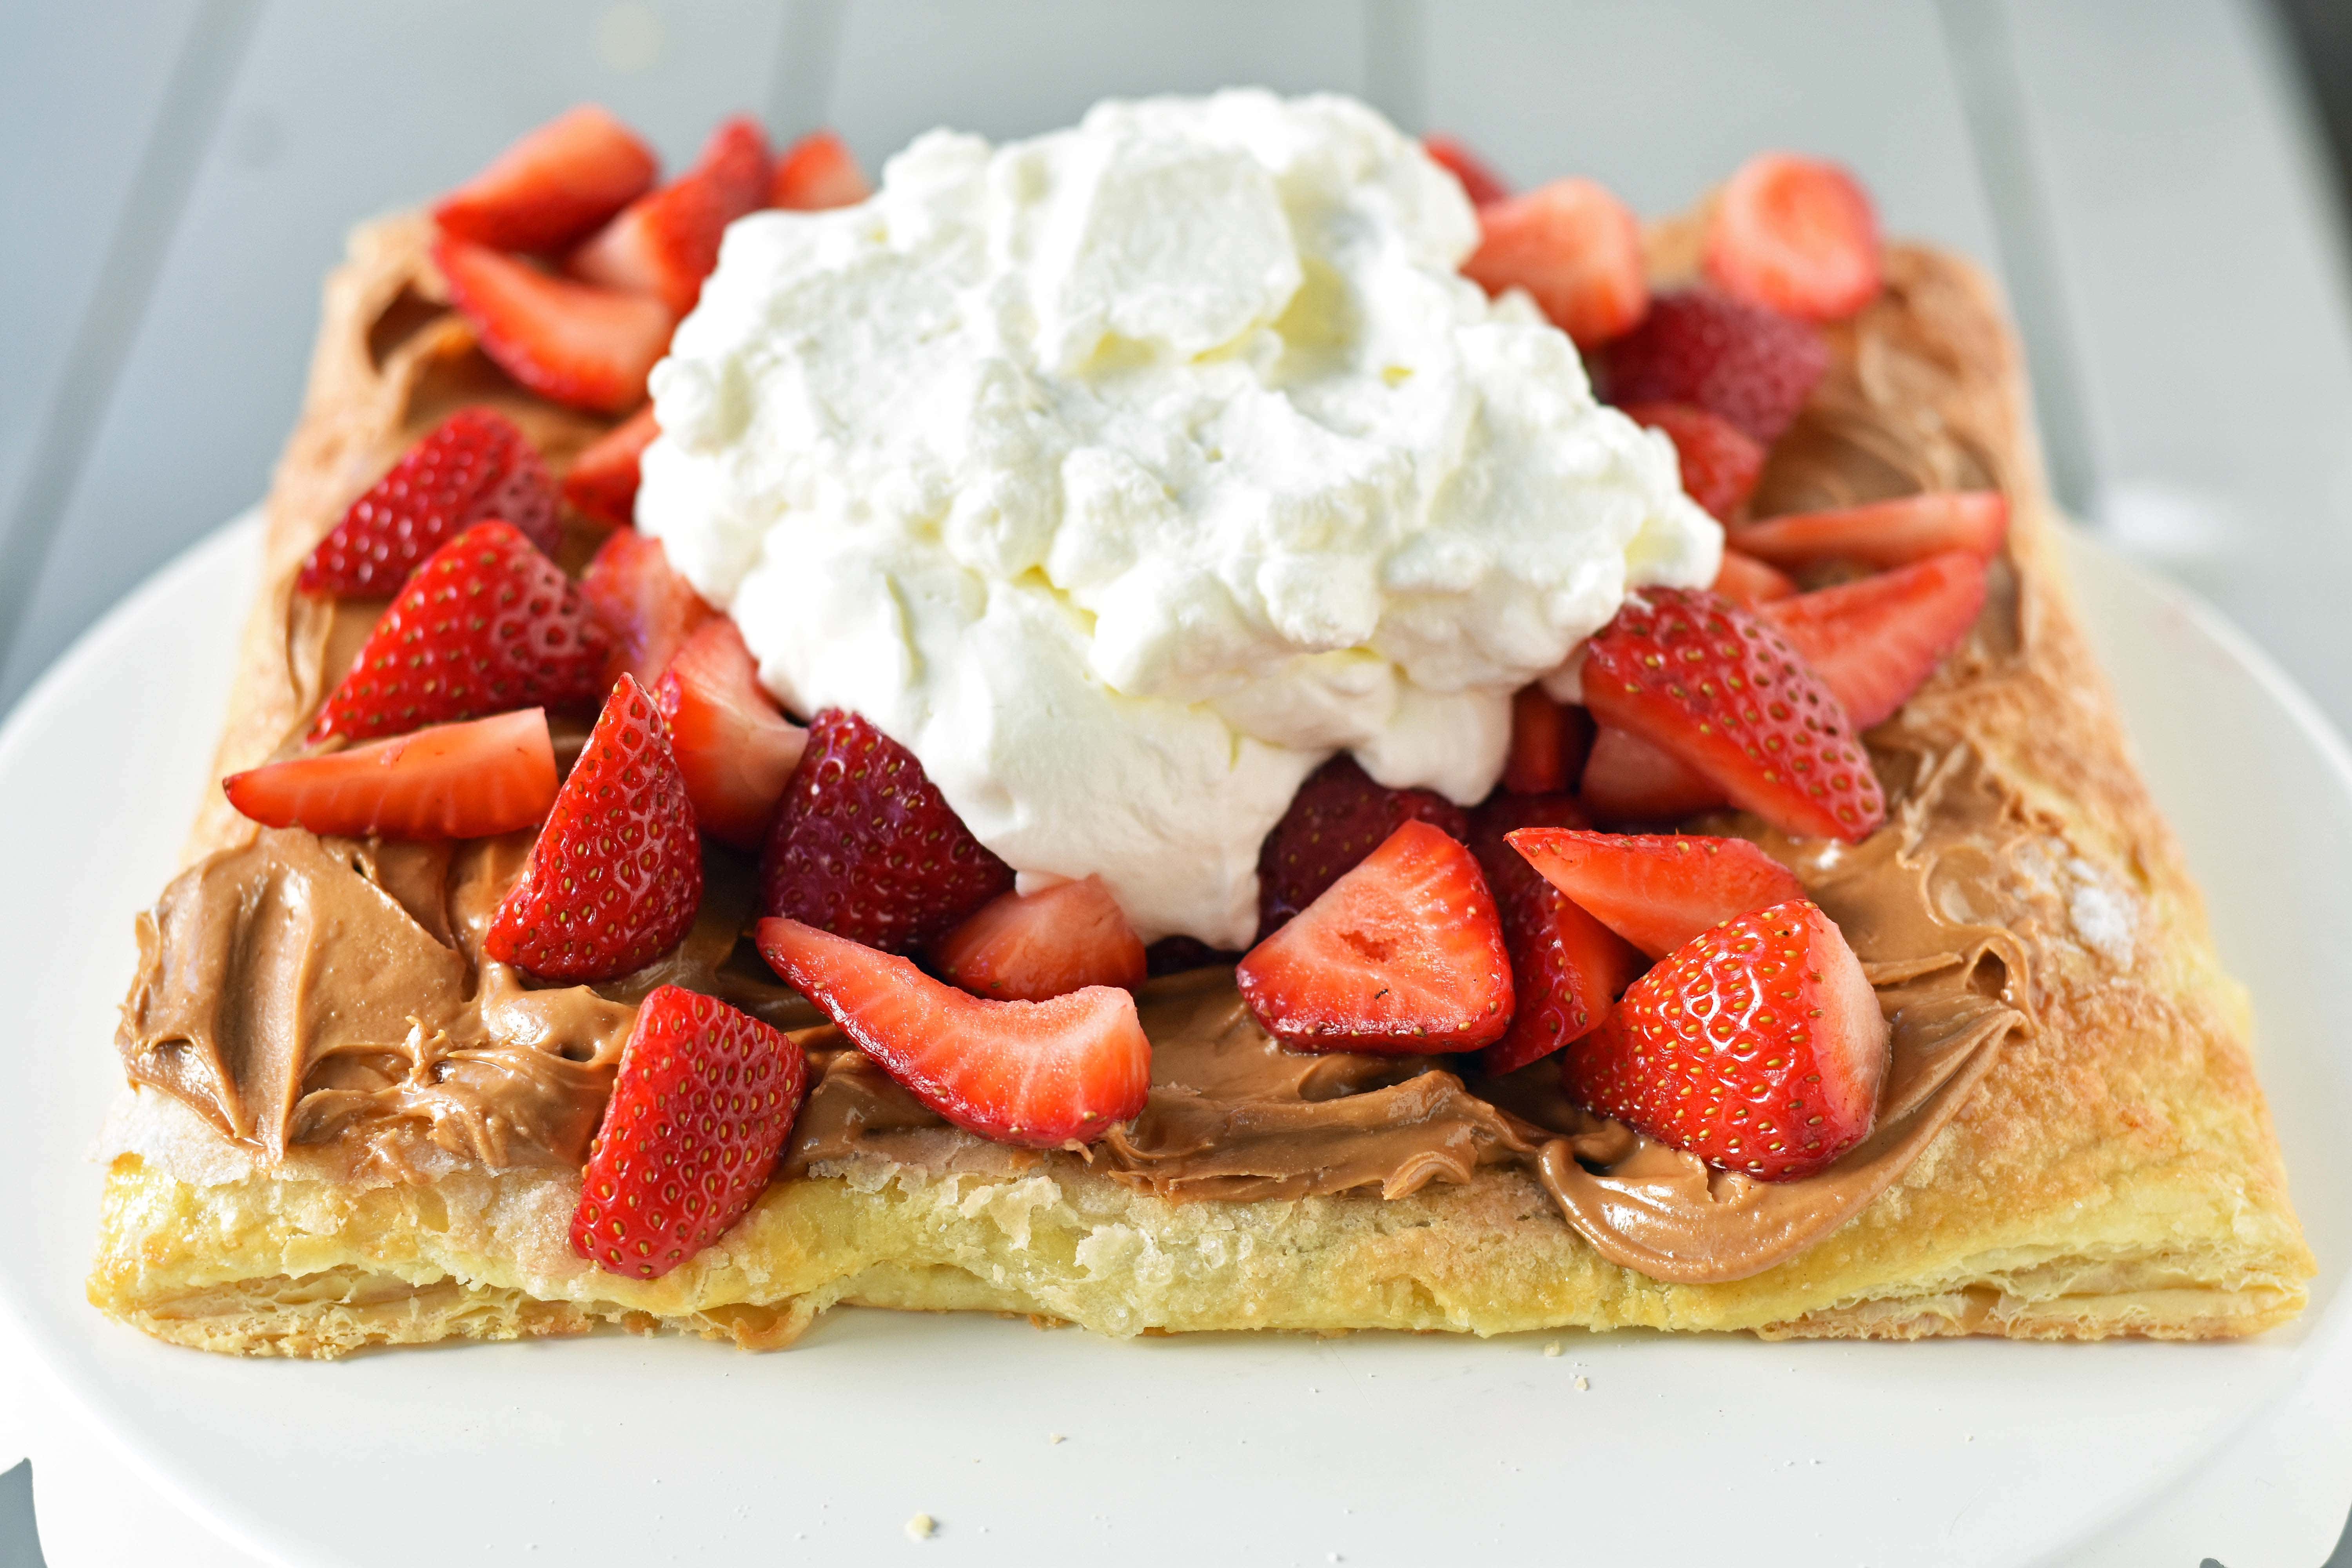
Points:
(1550, 742)
(1746, 581)
(1704, 680)
(1797, 234)
(1575, 248)
(1759, 1047)
(472, 466)
(1044, 1075)
(1657, 890)
(1629, 780)
(1883, 532)
(1874, 642)
(554, 185)
(866, 847)
(1339, 816)
(450, 781)
(1175, 954)
(1567, 968)
(1030, 947)
(817, 172)
(705, 1099)
(1479, 183)
(1752, 366)
(667, 243)
(736, 750)
(1720, 462)
(486, 626)
(616, 875)
(602, 485)
(649, 610)
(1403, 955)
(571, 342)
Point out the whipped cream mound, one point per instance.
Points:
(1125, 474)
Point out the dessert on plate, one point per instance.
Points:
(1209, 721)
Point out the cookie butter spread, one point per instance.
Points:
(1125, 474)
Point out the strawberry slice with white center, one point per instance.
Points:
(554, 185)
(667, 243)
(450, 781)
(570, 342)
(602, 485)
(1796, 234)
(1883, 532)
(470, 467)
(1550, 742)
(616, 875)
(817, 172)
(1705, 680)
(1742, 579)
(735, 748)
(1405, 954)
(1628, 780)
(1567, 968)
(647, 607)
(705, 1097)
(1758, 1047)
(1339, 816)
(1876, 641)
(1043, 1075)
(1575, 248)
(1657, 890)
(1479, 181)
(1033, 946)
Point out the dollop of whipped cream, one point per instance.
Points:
(1125, 474)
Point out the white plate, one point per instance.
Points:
(1378, 1448)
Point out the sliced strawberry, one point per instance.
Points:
(1479, 181)
(602, 485)
(1752, 366)
(1550, 742)
(817, 172)
(1628, 780)
(1567, 968)
(1405, 954)
(1575, 248)
(572, 343)
(666, 244)
(1657, 890)
(1883, 532)
(554, 185)
(1339, 816)
(649, 610)
(1746, 581)
(866, 847)
(736, 750)
(473, 464)
(1875, 641)
(1759, 1047)
(451, 781)
(616, 875)
(1030, 947)
(1704, 680)
(1796, 234)
(486, 626)
(1720, 462)
(1044, 1075)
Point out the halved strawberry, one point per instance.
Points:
(1883, 532)
(1575, 248)
(554, 185)
(486, 626)
(817, 172)
(602, 485)
(736, 750)
(1744, 580)
(649, 610)
(1720, 462)
(1628, 780)
(1044, 1075)
(704, 1100)
(1550, 742)
(1752, 366)
(1567, 968)
(450, 781)
(1403, 954)
(1029, 947)
(1874, 642)
(1704, 680)
(1339, 816)
(1796, 234)
(472, 466)
(866, 847)
(1479, 183)
(667, 243)
(616, 875)
(1759, 1047)
(571, 342)
(1657, 890)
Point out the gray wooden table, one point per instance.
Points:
(2143, 173)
